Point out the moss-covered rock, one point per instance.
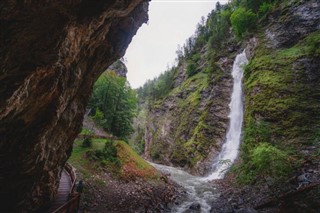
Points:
(187, 126)
(282, 89)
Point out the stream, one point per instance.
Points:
(200, 193)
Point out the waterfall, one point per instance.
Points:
(230, 148)
(199, 191)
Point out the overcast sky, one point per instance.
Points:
(171, 22)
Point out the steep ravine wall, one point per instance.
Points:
(51, 54)
(187, 128)
(281, 85)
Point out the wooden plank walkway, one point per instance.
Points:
(63, 191)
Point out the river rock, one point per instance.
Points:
(195, 206)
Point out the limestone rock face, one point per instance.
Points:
(51, 53)
(187, 128)
(293, 23)
(120, 68)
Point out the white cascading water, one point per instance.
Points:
(230, 148)
(199, 191)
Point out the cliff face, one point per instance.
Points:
(187, 128)
(282, 86)
(51, 54)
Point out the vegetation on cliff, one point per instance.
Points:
(116, 157)
(183, 124)
(282, 104)
(113, 104)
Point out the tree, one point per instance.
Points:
(114, 103)
(242, 21)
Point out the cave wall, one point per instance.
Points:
(51, 53)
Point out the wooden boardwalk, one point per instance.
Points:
(63, 191)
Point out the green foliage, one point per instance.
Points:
(313, 44)
(85, 131)
(265, 8)
(157, 88)
(128, 163)
(265, 161)
(254, 133)
(191, 68)
(218, 25)
(255, 5)
(87, 142)
(99, 117)
(107, 154)
(243, 21)
(315, 140)
(115, 104)
(291, 109)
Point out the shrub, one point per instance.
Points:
(109, 153)
(99, 117)
(265, 8)
(265, 161)
(268, 160)
(242, 21)
(86, 131)
(191, 68)
(87, 142)
(313, 43)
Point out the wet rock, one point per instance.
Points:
(246, 210)
(195, 206)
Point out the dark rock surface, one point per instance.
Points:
(51, 54)
(298, 21)
(120, 68)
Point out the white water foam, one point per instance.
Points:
(230, 148)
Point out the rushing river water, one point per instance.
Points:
(199, 191)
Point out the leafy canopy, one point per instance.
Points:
(114, 104)
(242, 21)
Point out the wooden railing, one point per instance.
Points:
(72, 205)
(70, 170)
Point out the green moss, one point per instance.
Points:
(282, 91)
(198, 146)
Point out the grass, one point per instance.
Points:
(78, 157)
(131, 164)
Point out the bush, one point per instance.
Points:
(191, 68)
(267, 160)
(109, 153)
(99, 118)
(87, 142)
(86, 131)
(265, 8)
(242, 21)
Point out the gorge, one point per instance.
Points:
(198, 190)
(52, 52)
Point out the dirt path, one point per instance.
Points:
(104, 194)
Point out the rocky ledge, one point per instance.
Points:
(51, 54)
